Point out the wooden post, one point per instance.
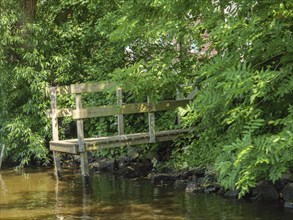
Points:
(120, 117)
(55, 135)
(151, 120)
(179, 96)
(80, 135)
(2, 154)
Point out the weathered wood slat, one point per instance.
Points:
(59, 90)
(120, 118)
(79, 125)
(151, 122)
(80, 136)
(54, 117)
(97, 146)
(71, 146)
(55, 132)
(91, 87)
(192, 94)
(61, 112)
(64, 112)
(100, 111)
(168, 105)
(118, 110)
(63, 89)
(64, 146)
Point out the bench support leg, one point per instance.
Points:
(151, 116)
(84, 164)
(57, 164)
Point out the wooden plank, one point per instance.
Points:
(133, 139)
(54, 118)
(71, 149)
(64, 112)
(63, 89)
(79, 124)
(99, 111)
(134, 108)
(64, 143)
(120, 116)
(172, 132)
(169, 104)
(59, 90)
(55, 133)
(71, 146)
(167, 138)
(117, 138)
(80, 136)
(192, 94)
(84, 164)
(91, 87)
(61, 112)
(179, 96)
(151, 122)
(83, 87)
(98, 146)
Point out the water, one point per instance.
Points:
(35, 194)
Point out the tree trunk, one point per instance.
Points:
(29, 9)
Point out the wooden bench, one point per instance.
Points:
(81, 145)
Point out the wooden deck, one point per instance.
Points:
(71, 146)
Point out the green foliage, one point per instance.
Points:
(66, 42)
(25, 145)
(254, 157)
(63, 44)
(241, 63)
(243, 109)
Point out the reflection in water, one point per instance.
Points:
(26, 194)
(37, 195)
(3, 186)
(57, 196)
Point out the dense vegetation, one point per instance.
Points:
(238, 54)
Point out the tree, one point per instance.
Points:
(243, 110)
(19, 125)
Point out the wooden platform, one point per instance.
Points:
(78, 113)
(71, 146)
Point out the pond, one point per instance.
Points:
(35, 194)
